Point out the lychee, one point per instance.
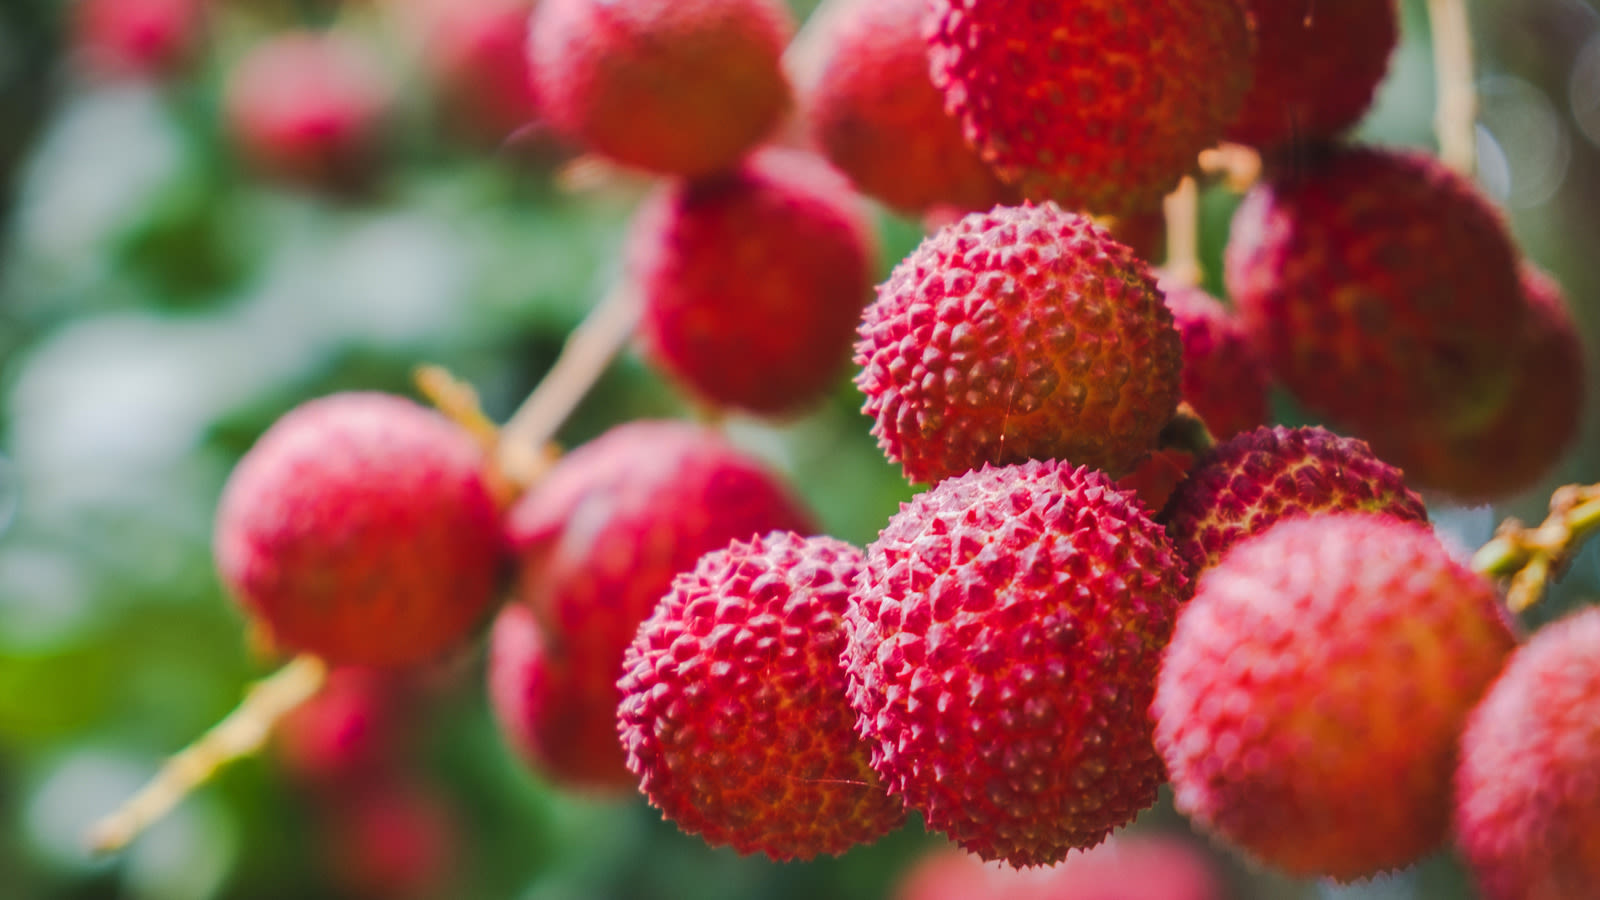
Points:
(1527, 801)
(1021, 333)
(353, 725)
(1223, 377)
(1247, 483)
(1380, 286)
(360, 528)
(397, 838)
(680, 87)
(1126, 867)
(1316, 68)
(1003, 650)
(1098, 104)
(752, 282)
(876, 114)
(734, 714)
(1311, 698)
(475, 54)
(137, 38)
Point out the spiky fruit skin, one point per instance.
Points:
(1003, 649)
(1527, 798)
(599, 541)
(679, 87)
(752, 282)
(1223, 377)
(1538, 420)
(733, 712)
(1311, 698)
(1246, 484)
(308, 109)
(137, 38)
(1316, 68)
(475, 54)
(1093, 104)
(1022, 333)
(1380, 286)
(360, 528)
(1126, 867)
(878, 117)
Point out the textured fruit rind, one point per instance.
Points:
(1311, 698)
(1002, 657)
(1223, 377)
(733, 712)
(1098, 104)
(1528, 788)
(1245, 484)
(359, 528)
(752, 282)
(1022, 333)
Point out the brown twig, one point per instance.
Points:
(1530, 557)
(1455, 117)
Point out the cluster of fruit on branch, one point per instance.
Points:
(1118, 575)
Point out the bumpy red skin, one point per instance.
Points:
(752, 282)
(1380, 286)
(1527, 799)
(137, 38)
(308, 109)
(1022, 333)
(1314, 690)
(1002, 657)
(1316, 68)
(1126, 867)
(1096, 104)
(1248, 483)
(679, 87)
(879, 118)
(733, 711)
(600, 540)
(476, 53)
(360, 528)
(1223, 377)
(1537, 423)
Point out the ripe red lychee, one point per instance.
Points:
(1380, 286)
(680, 87)
(397, 838)
(360, 528)
(1310, 701)
(878, 117)
(1223, 377)
(137, 38)
(733, 714)
(1021, 333)
(352, 726)
(1527, 795)
(1247, 483)
(308, 109)
(1316, 67)
(599, 541)
(1145, 233)
(1125, 867)
(1096, 104)
(1003, 651)
(475, 53)
(752, 282)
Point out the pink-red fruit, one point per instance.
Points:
(1002, 657)
(1528, 790)
(752, 281)
(137, 38)
(1021, 333)
(360, 528)
(733, 710)
(1125, 867)
(1097, 104)
(1314, 690)
(680, 87)
(1223, 377)
(475, 54)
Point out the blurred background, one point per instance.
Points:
(161, 304)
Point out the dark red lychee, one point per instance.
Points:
(137, 38)
(1223, 377)
(1003, 651)
(1021, 333)
(397, 838)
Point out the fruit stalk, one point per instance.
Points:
(1457, 111)
(1530, 556)
(1182, 209)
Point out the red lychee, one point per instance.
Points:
(1380, 286)
(1311, 698)
(878, 117)
(1316, 67)
(1223, 377)
(1003, 651)
(1145, 233)
(1528, 788)
(680, 87)
(734, 714)
(1125, 867)
(1022, 333)
(475, 53)
(599, 541)
(1247, 483)
(352, 726)
(1098, 104)
(137, 38)
(360, 528)
(398, 838)
(752, 282)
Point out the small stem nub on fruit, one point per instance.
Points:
(242, 733)
(1182, 208)
(1530, 557)
(1186, 430)
(1455, 118)
(1237, 165)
